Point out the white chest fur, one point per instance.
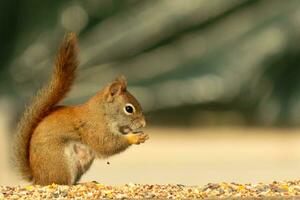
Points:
(79, 158)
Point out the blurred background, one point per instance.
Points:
(219, 81)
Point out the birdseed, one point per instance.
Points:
(94, 190)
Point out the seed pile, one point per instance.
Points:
(95, 190)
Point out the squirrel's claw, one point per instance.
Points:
(136, 138)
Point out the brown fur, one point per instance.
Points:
(58, 144)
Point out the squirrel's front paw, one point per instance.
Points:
(136, 138)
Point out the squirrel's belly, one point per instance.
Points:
(79, 158)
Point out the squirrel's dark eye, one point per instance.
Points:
(129, 109)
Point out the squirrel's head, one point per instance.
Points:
(123, 113)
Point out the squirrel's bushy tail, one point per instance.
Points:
(41, 105)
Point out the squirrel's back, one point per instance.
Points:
(45, 100)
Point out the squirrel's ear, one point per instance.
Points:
(116, 88)
(122, 80)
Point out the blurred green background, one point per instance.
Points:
(190, 63)
(222, 76)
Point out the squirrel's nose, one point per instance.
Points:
(143, 122)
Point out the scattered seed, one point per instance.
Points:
(95, 190)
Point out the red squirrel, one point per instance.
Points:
(57, 144)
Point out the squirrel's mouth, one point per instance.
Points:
(126, 129)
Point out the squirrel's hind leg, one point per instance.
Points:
(49, 164)
(59, 162)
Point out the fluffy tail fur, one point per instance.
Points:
(41, 105)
